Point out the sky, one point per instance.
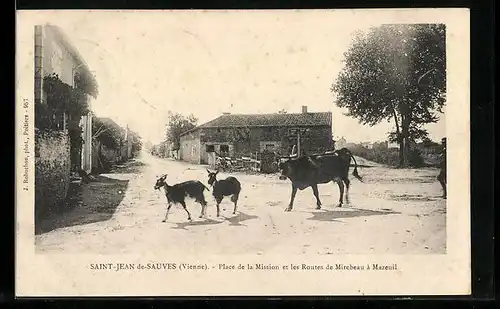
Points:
(207, 63)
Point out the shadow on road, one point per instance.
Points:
(240, 217)
(87, 203)
(184, 225)
(413, 197)
(331, 215)
(131, 167)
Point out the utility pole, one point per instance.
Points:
(298, 143)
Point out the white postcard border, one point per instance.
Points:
(68, 274)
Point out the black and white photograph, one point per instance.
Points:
(304, 135)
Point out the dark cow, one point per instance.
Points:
(309, 171)
(346, 155)
(178, 192)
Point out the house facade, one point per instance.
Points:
(55, 54)
(243, 135)
(392, 145)
(367, 145)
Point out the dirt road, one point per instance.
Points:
(392, 211)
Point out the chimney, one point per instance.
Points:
(304, 109)
(226, 113)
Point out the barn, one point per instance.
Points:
(238, 135)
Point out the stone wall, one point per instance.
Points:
(247, 141)
(52, 170)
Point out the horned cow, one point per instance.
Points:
(309, 171)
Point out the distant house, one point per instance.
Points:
(237, 135)
(164, 149)
(367, 145)
(392, 145)
(168, 150)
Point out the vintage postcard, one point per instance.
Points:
(248, 153)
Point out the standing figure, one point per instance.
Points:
(442, 166)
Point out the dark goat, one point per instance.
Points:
(178, 192)
(226, 187)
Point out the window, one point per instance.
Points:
(224, 148)
(210, 148)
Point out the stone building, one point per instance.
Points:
(55, 54)
(237, 135)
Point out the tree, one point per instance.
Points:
(178, 124)
(107, 132)
(159, 150)
(395, 72)
(136, 142)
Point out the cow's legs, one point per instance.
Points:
(166, 214)
(185, 208)
(234, 199)
(341, 189)
(347, 184)
(316, 194)
(294, 192)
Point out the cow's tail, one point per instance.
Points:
(355, 171)
(205, 187)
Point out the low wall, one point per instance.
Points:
(52, 170)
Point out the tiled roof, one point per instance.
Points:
(267, 120)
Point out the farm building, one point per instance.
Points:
(237, 135)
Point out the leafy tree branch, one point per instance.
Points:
(395, 72)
